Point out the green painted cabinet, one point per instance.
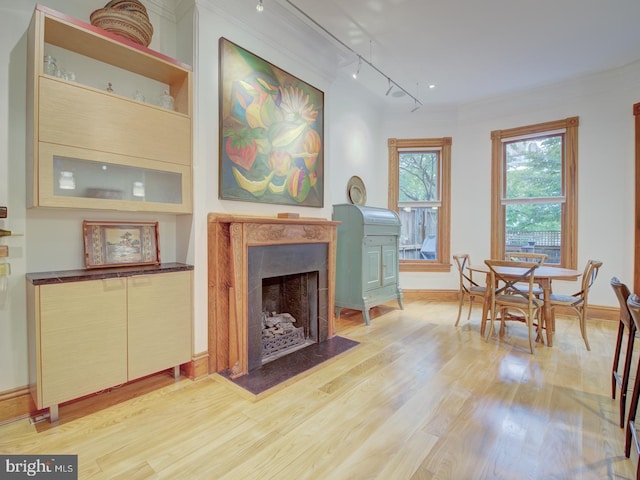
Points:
(367, 258)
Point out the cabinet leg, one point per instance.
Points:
(400, 304)
(176, 372)
(365, 314)
(337, 311)
(54, 414)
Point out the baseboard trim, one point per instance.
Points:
(198, 367)
(15, 404)
(599, 312)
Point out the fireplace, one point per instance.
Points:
(265, 270)
(285, 280)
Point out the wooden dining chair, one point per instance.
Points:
(625, 323)
(507, 296)
(578, 301)
(539, 258)
(631, 433)
(469, 289)
(526, 257)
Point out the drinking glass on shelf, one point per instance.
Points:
(50, 67)
(166, 100)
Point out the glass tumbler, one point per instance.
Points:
(50, 67)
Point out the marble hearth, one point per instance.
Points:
(244, 253)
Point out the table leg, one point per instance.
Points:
(548, 316)
(485, 307)
(485, 310)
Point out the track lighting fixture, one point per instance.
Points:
(259, 6)
(390, 87)
(400, 91)
(357, 72)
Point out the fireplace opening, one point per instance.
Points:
(286, 282)
(289, 314)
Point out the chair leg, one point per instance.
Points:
(491, 327)
(486, 313)
(632, 413)
(625, 378)
(459, 308)
(530, 326)
(583, 328)
(470, 307)
(616, 361)
(503, 316)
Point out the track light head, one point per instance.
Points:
(390, 87)
(259, 6)
(357, 72)
(416, 107)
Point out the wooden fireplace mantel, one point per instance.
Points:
(229, 237)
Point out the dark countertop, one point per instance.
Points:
(65, 276)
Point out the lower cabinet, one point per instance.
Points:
(85, 336)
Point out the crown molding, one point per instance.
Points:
(163, 8)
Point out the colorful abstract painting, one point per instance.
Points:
(271, 132)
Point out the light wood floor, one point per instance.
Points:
(418, 399)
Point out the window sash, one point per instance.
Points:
(523, 200)
(437, 195)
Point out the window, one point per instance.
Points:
(534, 197)
(419, 190)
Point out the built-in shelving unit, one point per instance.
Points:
(97, 145)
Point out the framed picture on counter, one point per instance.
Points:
(117, 244)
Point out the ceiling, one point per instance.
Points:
(473, 50)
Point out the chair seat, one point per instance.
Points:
(536, 290)
(564, 299)
(517, 300)
(479, 290)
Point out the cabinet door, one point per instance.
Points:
(372, 267)
(83, 338)
(160, 313)
(389, 265)
(104, 180)
(73, 115)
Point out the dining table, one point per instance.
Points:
(543, 276)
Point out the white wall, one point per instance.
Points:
(606, 185)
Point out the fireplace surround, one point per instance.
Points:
(243, 252)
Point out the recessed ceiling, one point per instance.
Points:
(472, 50)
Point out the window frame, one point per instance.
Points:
(443, 249)
(569, 211)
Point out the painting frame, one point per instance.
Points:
(120, 244)
(271, 132)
